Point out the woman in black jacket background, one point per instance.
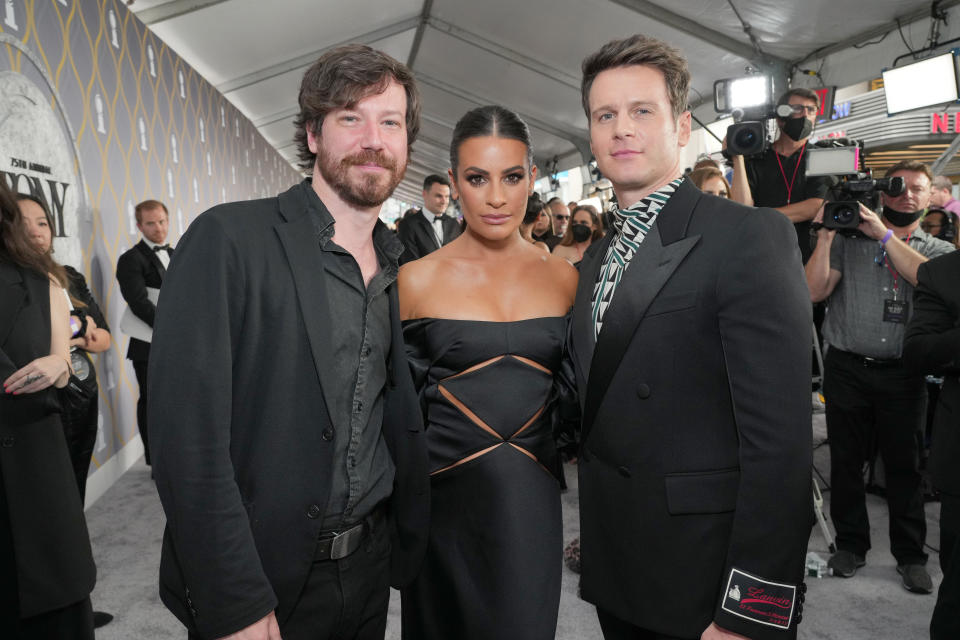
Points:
(46, 566)
(90, 334)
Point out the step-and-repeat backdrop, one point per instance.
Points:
(97, 114)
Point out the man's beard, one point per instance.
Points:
(371, 190)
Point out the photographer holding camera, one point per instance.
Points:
(870, 396)
(777, 176)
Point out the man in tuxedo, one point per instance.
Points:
(690, 340)
(932, 345)
(429, 230)
(288, 441)
(139, 269)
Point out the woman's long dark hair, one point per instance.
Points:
(16, 246)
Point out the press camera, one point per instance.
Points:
(840, 157)
(750, 101)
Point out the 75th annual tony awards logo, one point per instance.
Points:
(36, 158)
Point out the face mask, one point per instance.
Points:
(581, 232)
(900, 218)
(797, 128)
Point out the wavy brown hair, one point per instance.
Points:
(639, 50)
(340, 79)
(17, 248)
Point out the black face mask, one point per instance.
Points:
(581, 232)
(900, 218)
(797, 128)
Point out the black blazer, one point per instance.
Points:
(46, 523)
(418, 238)
(932, 345)
(696, 448)
(241, 438)
(137, 269)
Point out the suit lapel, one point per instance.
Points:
(426, 232)
(299, 239)
(582, 318)
(152, 258)
(659, 255)
(450, 228)
(13, 296)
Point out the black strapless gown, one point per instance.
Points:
(493, 561)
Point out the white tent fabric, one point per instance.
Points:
(524, 54)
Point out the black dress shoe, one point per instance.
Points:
(845, 563)
(915, 578)
(101, 619)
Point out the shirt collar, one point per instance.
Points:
(430, 216)
(384, 240)
(153, 245)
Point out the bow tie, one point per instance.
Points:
(164, 247)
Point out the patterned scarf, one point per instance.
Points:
(630, 227)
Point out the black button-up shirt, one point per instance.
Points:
(363, 470)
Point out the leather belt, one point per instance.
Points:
(336, 545)
(867, 361)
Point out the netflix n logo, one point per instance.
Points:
(944, 123)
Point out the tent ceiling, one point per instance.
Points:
(525, 55)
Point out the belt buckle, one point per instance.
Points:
(338, 546)
(340, 543)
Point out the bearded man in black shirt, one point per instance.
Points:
(777, 177)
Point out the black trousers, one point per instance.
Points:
(344, 599)
(945, 624)
(80, 429)
(73, 622)
(614, 628)
(883, 405)
(140, 368)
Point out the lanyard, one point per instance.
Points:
(795, 170)
(896, 276)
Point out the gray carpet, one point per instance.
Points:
(126, 525)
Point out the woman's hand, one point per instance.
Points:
(43, 372)
(94, 340)
(81, 341)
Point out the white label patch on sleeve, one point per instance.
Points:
(758, 600)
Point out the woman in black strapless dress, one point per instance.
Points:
(484, 322)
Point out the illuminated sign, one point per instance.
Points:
(841, 110)
(826, 95)
(944, 123)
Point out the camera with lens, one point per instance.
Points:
(750, 101)
(840, 157)
(845, 213)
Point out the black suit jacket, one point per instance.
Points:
(47, 527)
(695, 463)
(418, 238)
(932, 345)
(241, 438)
(137, 269)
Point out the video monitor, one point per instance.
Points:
(922, 84)
(833, 161)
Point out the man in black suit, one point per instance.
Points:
(932, 345)
(287, 438)
(138, 270)
(690, 339)
(430, 229)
